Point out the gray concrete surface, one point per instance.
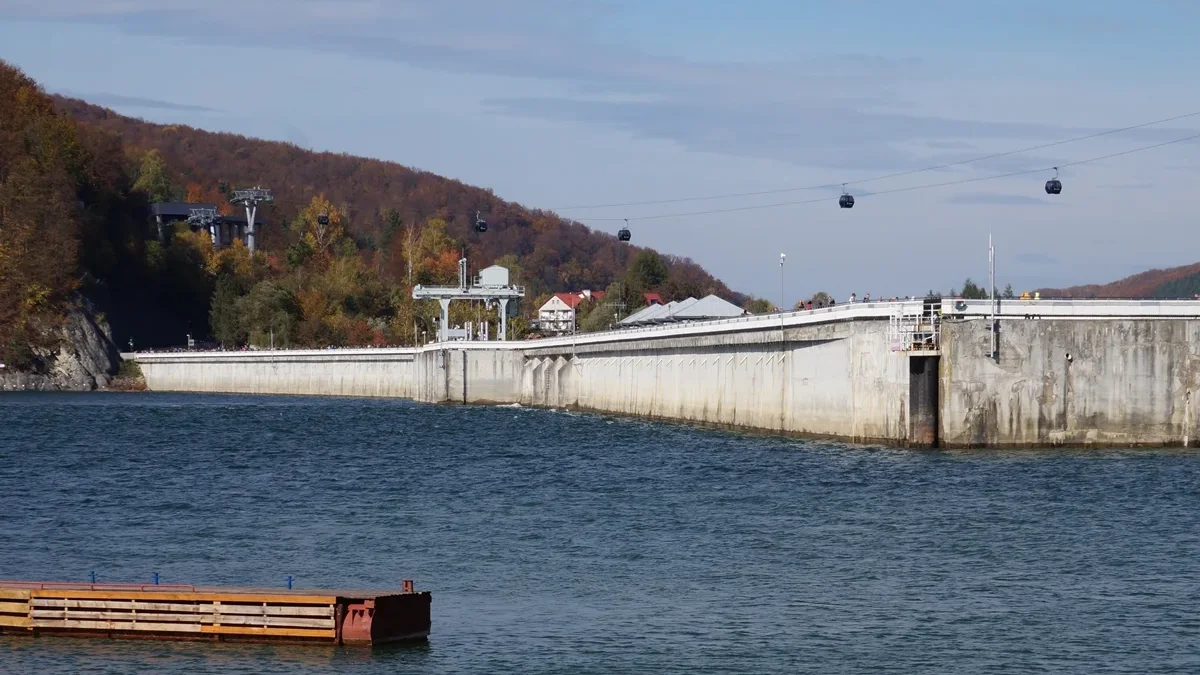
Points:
(828, 373)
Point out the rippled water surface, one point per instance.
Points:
(566, 543)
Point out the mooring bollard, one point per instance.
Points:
(156, 578)
(289, 580)
(92, 576)
(406, 586)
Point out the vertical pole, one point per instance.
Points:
(445, 303)
(782, 293)
(782, 300)
(995, 300)
(410, 269)
(503, 302)
(251, 237)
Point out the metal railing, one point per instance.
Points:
(912, 329)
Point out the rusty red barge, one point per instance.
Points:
(183, 612)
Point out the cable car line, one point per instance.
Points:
(827, 186)
(910, 188)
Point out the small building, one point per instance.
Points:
(558, 314)
(707, 308)
(652, 299)
(223, 229)
(492, 277)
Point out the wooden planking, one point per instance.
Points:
(196, 608)
(270, 610)
(116, 625)
(59, 615)
(14, 593)
(274, 632)
(7, 607)
(225, 620)
(121, 604)
(282, 621)
(185, 596)
(72, 624)
(14, 621)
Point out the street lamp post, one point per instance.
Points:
(782, 294)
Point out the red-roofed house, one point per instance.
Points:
(558, 314)
(652, 299)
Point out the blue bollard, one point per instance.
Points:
(156, 578)
(92, 576)
(289, 580)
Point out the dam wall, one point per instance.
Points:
(838, 372)
(401, 373)
(835, 379)
(1071, 373)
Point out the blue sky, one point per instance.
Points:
(557, 103)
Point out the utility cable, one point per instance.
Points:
(911, 188)
(826, 186)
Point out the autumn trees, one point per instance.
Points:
(344, 243)
(44, 170)
(383, 203)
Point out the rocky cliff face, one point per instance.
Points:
(86, 358)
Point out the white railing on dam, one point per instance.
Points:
(1075, 309)
(758, 322)
(1005, 309)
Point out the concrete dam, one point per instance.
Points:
(924, 373)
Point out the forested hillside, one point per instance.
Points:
(1173, 282)
(69, 223)
(76, 182)
(382, 206)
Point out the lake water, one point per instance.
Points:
(563, 543)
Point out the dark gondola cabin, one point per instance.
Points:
(623, 235)
(846, 201)
(323, 219)
(1053, 186)
(480, 224)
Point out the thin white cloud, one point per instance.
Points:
(997, 199)
(120, 101)
(839, 111)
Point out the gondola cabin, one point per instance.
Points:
(623, 234)
(846, 201)
(1053, 186)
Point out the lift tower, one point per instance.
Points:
(251, 198)
(209, 220)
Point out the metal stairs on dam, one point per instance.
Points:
(916, 331)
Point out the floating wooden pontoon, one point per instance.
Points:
(179, 612)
